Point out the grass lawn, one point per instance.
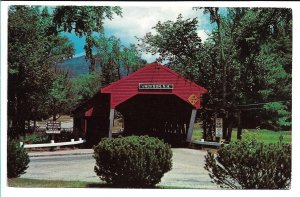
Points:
(35, 183)
(32, 183)
(263, 135)
(266, 136)
(197, 133)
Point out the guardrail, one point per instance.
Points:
(218, 144)
(53, 144)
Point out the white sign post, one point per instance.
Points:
(219, 127)
(53, 127)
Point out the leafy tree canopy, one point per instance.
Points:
(245, 60)
(32, 53)
(83, 20)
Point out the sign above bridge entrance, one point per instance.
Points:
(156, 86)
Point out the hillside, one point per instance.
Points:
(76, 66)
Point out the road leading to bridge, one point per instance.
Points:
(187, 169)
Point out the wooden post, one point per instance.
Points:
(111, 122)
(191, 126)
(85, 125)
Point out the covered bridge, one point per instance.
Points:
(154, 100)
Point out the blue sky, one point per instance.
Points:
(137, 21)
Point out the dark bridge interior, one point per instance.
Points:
(164, 116)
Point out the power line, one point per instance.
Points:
(248, 105)
(252, 108)
(253, 104)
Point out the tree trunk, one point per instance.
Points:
(224, 69)
(13, 132)
(34, 125)
(119, 73)
(92, 66)
(222, 56)
(239, 128)
(204, 136)
(128, 70)
(28, 126)
(224, 126)
(230, 123)
(20, 116)
(21, 126)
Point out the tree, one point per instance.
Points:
(109, 55)
(115, 59)
(60, 98)
(264, 59)
(32, 51)
(175, 42)
(250, 80)
(179, 44)
(85, 86)
(215, 17)
(239, 65)
(84, 21)
(132, 59)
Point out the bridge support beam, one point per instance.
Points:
(191, 125)
(111, 122)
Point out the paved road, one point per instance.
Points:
(187, 168)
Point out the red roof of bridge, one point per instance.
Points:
(127, 87)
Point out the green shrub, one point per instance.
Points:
(134, 161)
(35, 138)
(17, 159)
(251, 165)
(41, 137)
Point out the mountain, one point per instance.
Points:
(76, 66)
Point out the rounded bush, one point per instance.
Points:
(251, 165)
(17, 159)
(134, 161)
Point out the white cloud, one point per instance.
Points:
(137, 21)
(79, 54)
(202, 34)
(149, 57)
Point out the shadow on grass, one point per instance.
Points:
(108, 186)
(35, 183)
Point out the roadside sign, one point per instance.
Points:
(193, 99)
(53, 127)
(219, 127)
(53, 131)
